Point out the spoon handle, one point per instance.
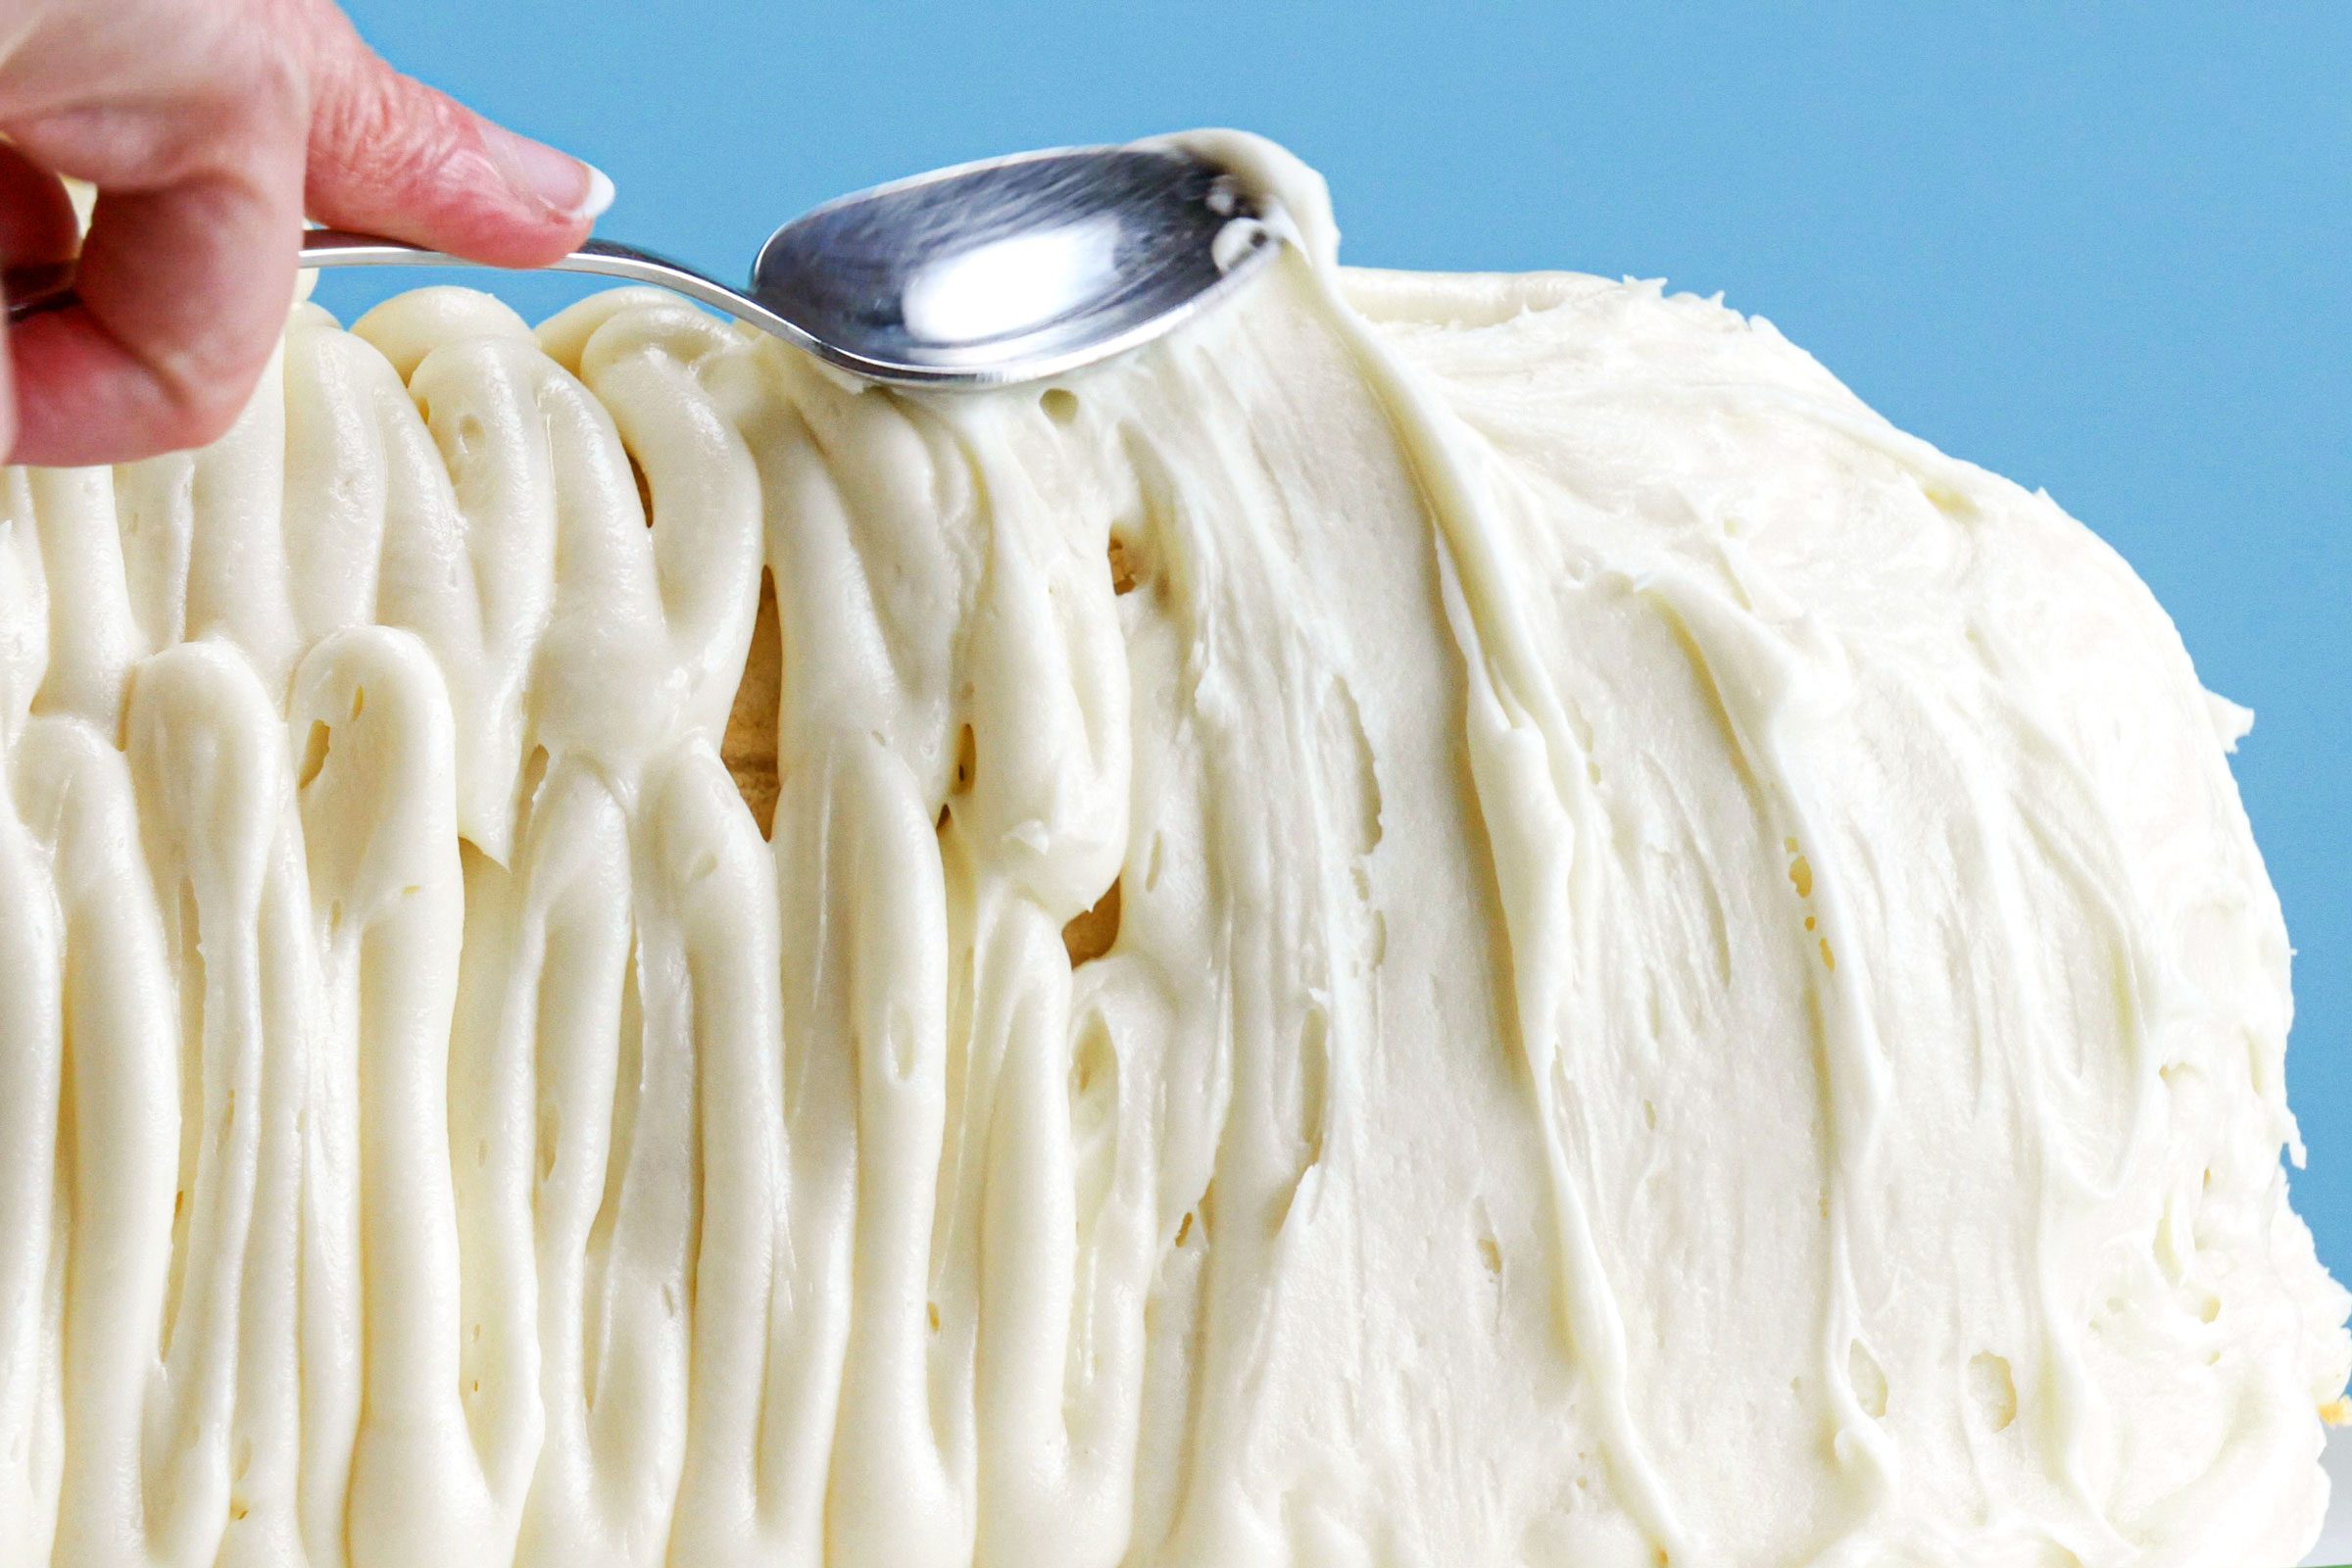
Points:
(35, 290)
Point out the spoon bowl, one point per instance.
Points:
(989, 273)
(1014, 269)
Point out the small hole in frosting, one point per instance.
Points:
(750, 746)
(645, 489)
(1095, 1063)
(1992, 1388)
(526, 791)
(1092, 934)
(967, 758)
(1869, 1380)
(1060, 405)
(314, 756)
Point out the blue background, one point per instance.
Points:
(2105, 255)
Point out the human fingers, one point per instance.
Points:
(37, 225)
(185, 283)
(36, 217)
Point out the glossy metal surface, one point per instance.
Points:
(1011, 269)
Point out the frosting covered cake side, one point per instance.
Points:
(1448, 919)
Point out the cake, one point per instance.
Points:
(1445, 920)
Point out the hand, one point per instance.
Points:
(210, 127)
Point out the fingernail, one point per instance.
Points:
(600, 192)
(555, 179)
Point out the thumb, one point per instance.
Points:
(390, 156)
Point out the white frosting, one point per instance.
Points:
(1690, 984)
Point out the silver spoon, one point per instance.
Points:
(1008, 269)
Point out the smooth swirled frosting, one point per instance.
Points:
(1448, 920)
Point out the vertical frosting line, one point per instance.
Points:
(469, 558)
(238, 584)
(93, 637)
(492, 1129)
(373, 726)
(1027, 1228)
(338, 464)
(266, 1446)
(2073, 1419)
(809, 1319)
(155, 513)
(647, 368)
(638, 1279)
(1537, 803)
(1040, 832)
(2066, 832)
(23, 603)
(1753, 676)
(563, 1015)
(868, 1391)
(715, 882)
(804, 1325)
(1534, 842)
(1251, 785)
(207, 749)
(120, 1080)
(594, 665)
(31, 1055)
(907, 1434)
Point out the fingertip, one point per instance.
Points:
(568, 188)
